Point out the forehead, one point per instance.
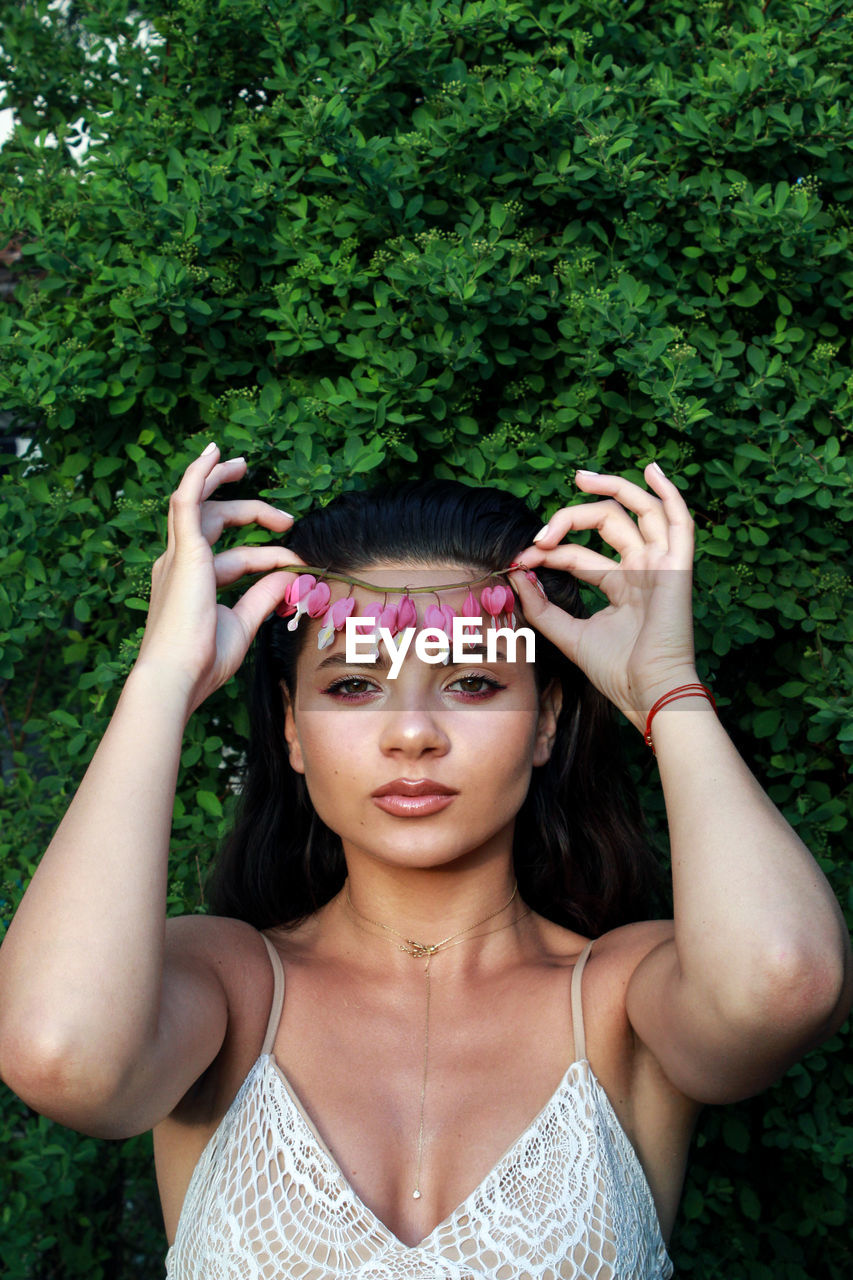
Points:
(423, 583)
(388, 583)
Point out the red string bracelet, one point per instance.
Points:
(682, 691)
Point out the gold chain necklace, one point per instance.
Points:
(426, 950)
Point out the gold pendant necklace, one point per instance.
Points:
(426, 950)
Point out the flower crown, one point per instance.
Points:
(310, 594)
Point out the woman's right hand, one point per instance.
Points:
(189, 637)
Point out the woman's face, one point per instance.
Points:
(474, 729)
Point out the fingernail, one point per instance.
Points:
(285, 513)
(531, 577)
(581, 472)
(656, 468)
(541, 533)
(208, 449)
(240, 459)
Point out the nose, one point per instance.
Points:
(412, 731)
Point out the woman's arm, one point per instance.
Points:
(759, 970)
(100, 1028)
(759, 967)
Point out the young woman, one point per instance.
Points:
(482, 1067)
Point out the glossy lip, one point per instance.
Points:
(414, 787)
(413, 798)
(413, 806)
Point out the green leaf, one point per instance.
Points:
(498, 215)
(757, 358)
(747, 450)
(59, 716)
(209, 803)
(780, 196)
(609, 436)
(766, 722)
(270, 398)
(747, 297)
(208, 119)
(750, 1204)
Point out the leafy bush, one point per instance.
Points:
(492, 241)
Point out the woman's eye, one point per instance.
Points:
(349, 689)
(478, 686)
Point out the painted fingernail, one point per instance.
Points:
(282, 512)
(581, 472)
(656, 468)
(207, 449)
(541, 533)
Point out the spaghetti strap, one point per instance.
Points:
(577, 1006)
(277, 996)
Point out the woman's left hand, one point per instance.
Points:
(641, 644)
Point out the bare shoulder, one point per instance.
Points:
(615, 955)
(231, 954)
(631, 943)
(629, 1072)
(614, 960)
(224, 946)
(657, 1117)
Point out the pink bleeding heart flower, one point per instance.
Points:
(389, 618)
(318, 599)
(297, 594)
(440, 617)
(407, 614)
(509, 608)
(334, 620)
(471, 607)
(297, 587)
(341, 610)
(434, 617)
(373, 611)
(493, 600)
(300, 586)
(367, 622)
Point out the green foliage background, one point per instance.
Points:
(493, 241)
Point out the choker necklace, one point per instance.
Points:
(426, 950)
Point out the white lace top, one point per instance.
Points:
(567, 1201)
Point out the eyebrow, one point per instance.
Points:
(382, 663)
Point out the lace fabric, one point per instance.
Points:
(567, 1201)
